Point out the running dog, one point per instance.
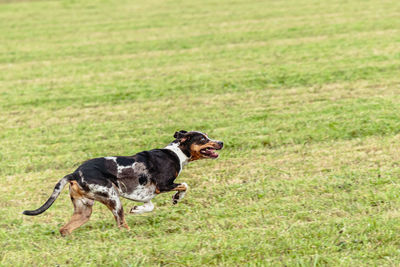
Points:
(139, 178)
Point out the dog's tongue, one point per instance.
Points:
(212, 153)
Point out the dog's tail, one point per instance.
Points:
(57, 190)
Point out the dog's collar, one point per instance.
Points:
(183, 159)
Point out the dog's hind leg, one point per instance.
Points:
(82, 210)
(146, 207)
(114, 204)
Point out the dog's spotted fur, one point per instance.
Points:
(139, 178)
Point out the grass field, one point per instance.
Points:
(305, 94)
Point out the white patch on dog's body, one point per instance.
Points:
(142, 193)
(95, 189)
(120, 168)
(183, 159)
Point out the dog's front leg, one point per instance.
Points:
(181, 188)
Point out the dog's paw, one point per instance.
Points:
(64, 232)
(135, 210)
(175, 198)
(146, 207)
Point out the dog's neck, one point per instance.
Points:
(183, 159)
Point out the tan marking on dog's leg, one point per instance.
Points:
(181, 187)
(82, 210)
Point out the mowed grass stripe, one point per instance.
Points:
(290, 46)
(313, 51)
(111, 31)
(275, 101)
(124, 90)
(200, 40)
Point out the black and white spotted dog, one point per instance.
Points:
(139, 177)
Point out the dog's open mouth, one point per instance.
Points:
(209, 152)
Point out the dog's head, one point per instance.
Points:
(197, 145)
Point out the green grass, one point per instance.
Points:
(305, 94)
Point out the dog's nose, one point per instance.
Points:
(220, 143)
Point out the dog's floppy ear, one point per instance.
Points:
(180, 134)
